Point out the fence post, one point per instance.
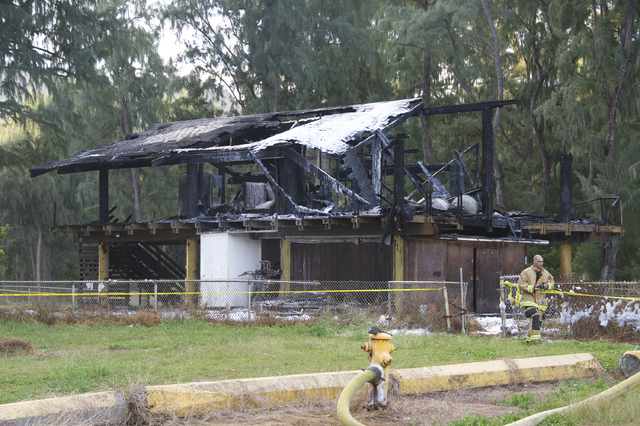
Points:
(389, 294)
(29, 295)
(155, 296)
(73, 297)
(503, 301)
(249, 302)
(446, 307)
(463, 303)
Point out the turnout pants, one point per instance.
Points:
(535, 324)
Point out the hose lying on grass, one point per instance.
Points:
(614, 392)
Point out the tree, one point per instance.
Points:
(599, 98)
(42, 42)
(467, 49)
(282, 54)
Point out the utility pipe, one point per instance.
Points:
(614, 392)
(371, 374)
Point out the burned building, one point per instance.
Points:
(329, 196)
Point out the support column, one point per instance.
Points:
(565, 261)
(285, 261)
(192, 190)
(397, 245)
(103, 272)
(487, 166)
(103, 189)
(191, 299)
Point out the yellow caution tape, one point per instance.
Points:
(222, 292)
(517, 298)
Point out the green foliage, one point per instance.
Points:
(3, 234)
(570, 66)
(78, 378)
(45, 42)
(586, 262)
(557, 419)
(524, 401)
(283, 55)
(483, 421)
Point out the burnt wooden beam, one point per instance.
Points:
(376, 166)
(238, 156)
(417, 184)
(103, 185)
(487, 166)
(439, 187)
(464, 168)
(192, 190)
(279, 188)
(323, 177)
(480, 106)
(392, 157)
(359, 174)
(398, 174)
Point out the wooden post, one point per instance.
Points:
(192, 190)
(446, 307)
(565, 261)
(398, 272)
(103, 272)
(487, 166)
(103, 189)
(285, 261)
(191, 299)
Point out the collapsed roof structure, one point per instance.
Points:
(327, 174)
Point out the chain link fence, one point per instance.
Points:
(577, 309)
(432, 305)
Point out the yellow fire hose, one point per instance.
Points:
(614, 392)
(368, 375)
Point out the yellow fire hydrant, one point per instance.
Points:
(379, 350)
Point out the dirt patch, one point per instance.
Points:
(432, 409)
(10, 347)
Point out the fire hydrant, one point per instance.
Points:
(379, 350)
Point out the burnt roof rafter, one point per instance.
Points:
(479, 106)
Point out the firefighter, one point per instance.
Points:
(531, 282)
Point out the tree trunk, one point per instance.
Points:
(608, 260)
(426, 99)
(497, 166)
(39, 254)
(425, 120)
(135, 173)
(538, 129)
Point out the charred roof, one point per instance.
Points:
(331, 130)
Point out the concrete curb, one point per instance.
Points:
(93, 408)
(268, 392)
(265, 392)
(495, 373)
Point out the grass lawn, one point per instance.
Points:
(80, 358)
